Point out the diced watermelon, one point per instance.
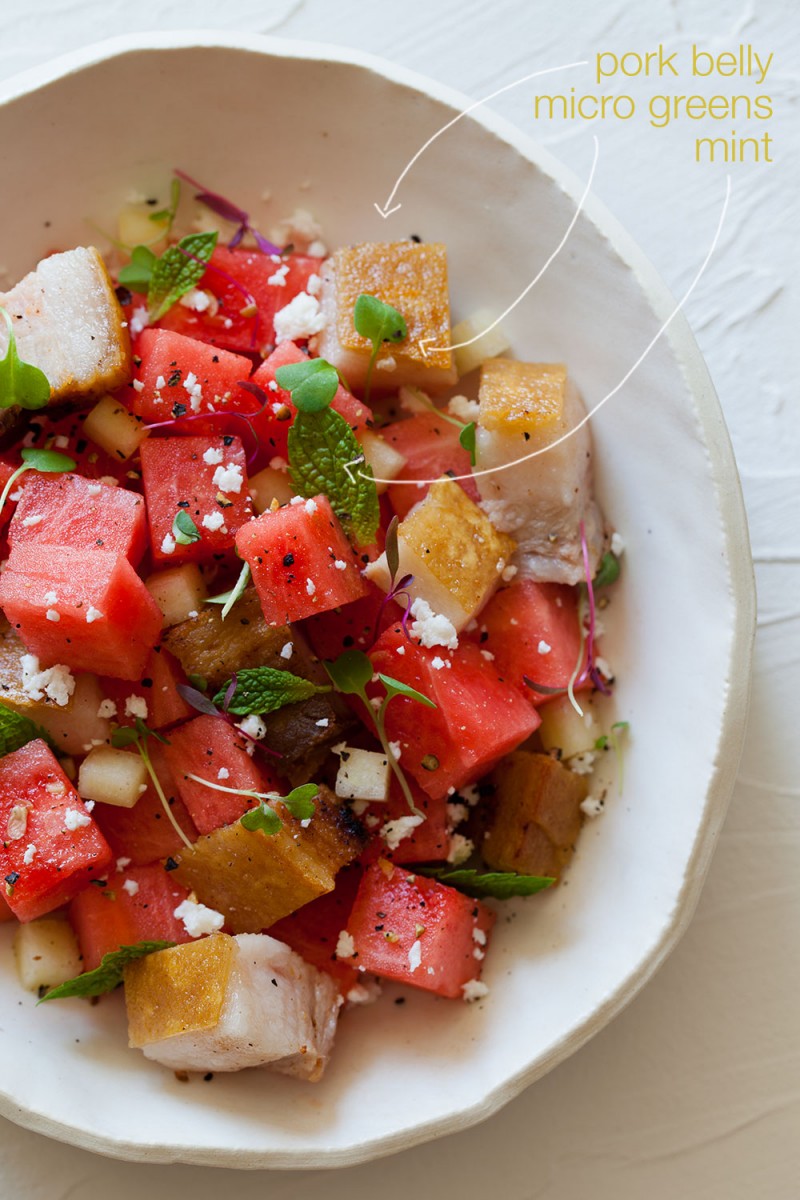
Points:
(300, 560)
(314, 929)
(354, 626)
(179, 376)
(85, 608)
(7, 469)
(431, 448)
(67, 435)
(144, 833)
(113, 915)
(68, 510)
(157, 687)
(212, 749)
(415, 930)
(357, 414)
(532, 629)
(429, 842)
(38, 808)
(5, 912)
(231, 322)
(478, 717)
(204, 477)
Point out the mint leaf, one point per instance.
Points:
(395, 687)
(467, 440)
(322, 450)
(137, 274)
(312, 384)
(262, 817)
(502, 885)
(177, 271)
(16, 731)
(108, 975)
(184, 529)
(265, 690)
(300, 801)
(20, 382)
(351, 672)
(608, 571)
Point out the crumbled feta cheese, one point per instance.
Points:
(582, 764)
(544, 647)
(460, 849)
(30, 854)
(279, 464)
(130, 886)
(340, 564)
(604, 668)
(401, 650)
(479, 935)
(311, 507)
(168, 544)
(473, 990)
(592, 806)
(28, 521)
(314, 285)
(415, 956)
(345, 946)
(464, 409)
(432, 629)
(300, 318)
(53, 615)
(161, 382)
(140, 319)
(56, 683)
(136, 706)
(487, 654)
(17, 822)
(317, 249)
(137, 384)
(212, 456)
(437, 663)
(366, 992)
(456, 813)
(92, 614)
(213, 521)
(197, 918)
(122, 863)
(287, 650)
(396, 750)
(323, 723)
(107, 709)
(395, 831)
(279, 278)
(193, 390)
(223, 773)
(253, 726)
(617, 544)
(50, 598)
(311, 587)
(197, 300)
(73, 819)
(300, 229)
(229, 478)
(478, 953)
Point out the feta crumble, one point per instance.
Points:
(582, 764)
(28, 521)
(432, 629)
(30, 854)
(345, 946)
(415, 956)
(253, 726)
(73, 819)
(197, 918)
(339, 564)
(463, 408)
(395, 831)
(56, 683)
(92, 614)
(300, 318)
(168, 544)
(213, 521)
(229, 478)
(617, 544)
(53, 615)
(107, 709)
(212, 456)
(223, 773)
(311, 587)
(130, 886)
(474, 989)
(122, 863)
(136, 706)
(544, 647)
(460, 849)
(287, 650)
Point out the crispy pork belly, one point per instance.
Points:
(225, 1003)
(542, 501)
(68, 322)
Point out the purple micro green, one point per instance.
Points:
(229, 212)
(230, 692)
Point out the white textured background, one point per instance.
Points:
(695, 1090)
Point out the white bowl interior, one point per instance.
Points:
(332, 136)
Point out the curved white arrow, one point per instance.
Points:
(425, 343)
(388, 208)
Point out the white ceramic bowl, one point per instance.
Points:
(248, 114)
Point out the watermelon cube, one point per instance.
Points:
(179, 376)
(301, 561)
(414, 930)
(154, 697)
(313, 930)
(68, 510)
(51, 846)
(85, 608)
(428, 842)
(431, 448)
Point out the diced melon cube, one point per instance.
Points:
(77, 725)
(112, 776)
(178, 592)
(386, 462)
(489, 342)
(362, 775)
(564, 729)
(47, 953)
(454, 553)
(136, 227)
(518, 397)
(114, 429)
(268, 485)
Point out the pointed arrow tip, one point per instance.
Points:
(387, 212)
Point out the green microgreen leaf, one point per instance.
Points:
(49, 461)
(16, 731)
(262, 817)
(236, 591)
(198, 681)
(21, 383)
(184, 529)
(124, 736)
(501, 885)
(322, 452)
(395, 687)
(300, 801)
(108, 975)
(138, 735)
(136, 274)
(351, 672)
(166, 216)
(312, 384)
(607, 572)
(379, 323)
(177, 271)
(467, 440)
(265, 690)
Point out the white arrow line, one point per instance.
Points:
(354, 463)
(388, 209)
(424, 342)
(544, 449)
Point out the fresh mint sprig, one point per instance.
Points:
(265, 690)
(501, 885)
(322, 452)
(17, 730)
(378, 323)
(351, 672)
(164, 280)
(108, 975)
(21, 383)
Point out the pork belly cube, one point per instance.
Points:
(225, 1003)
(254, 878)
(524, 407)
(69, 323)
(535, 816)
(413, 279)
(454, 553)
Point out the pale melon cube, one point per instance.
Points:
(112, 776)
(268, 485)
(117, 431)
(179, 592)
(46, 953)
(488, 344)
(74, 727)
(137, 228)
(385, 461)
(564, 729)
(362, 774)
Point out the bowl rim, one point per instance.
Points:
(734, 529)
